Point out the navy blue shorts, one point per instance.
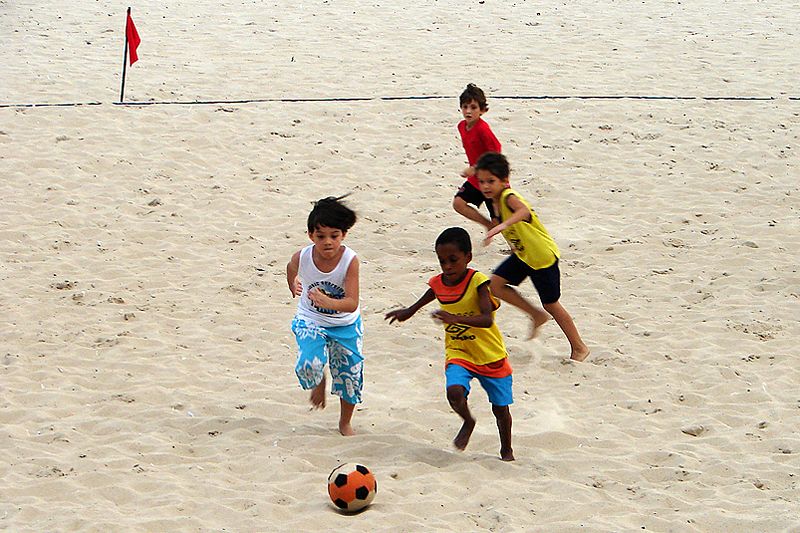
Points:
(473, 196)
(546, 280)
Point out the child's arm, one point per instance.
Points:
(483, 320)
(490, 142)
(519, 213)
(349, 303)
(401, 315)
(291, 275)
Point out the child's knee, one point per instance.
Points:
(311, 359)
(496, 283)
(552, 307)
(456, 394)
(309, 371)
(501, 412)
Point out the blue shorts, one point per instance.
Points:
(498, 389)
(340, 348)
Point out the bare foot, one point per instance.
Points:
(317, 397)
(507, 455)
(346, 429)
(580, 355)
(462, 439)
(536, 324)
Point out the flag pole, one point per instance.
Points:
(124, 59)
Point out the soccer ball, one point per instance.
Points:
(351, 487)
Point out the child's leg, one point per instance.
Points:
(312, 357)
(499, 390)
(548, 284)
(457, 383)
(347, 380)
(345, 416)
(466, 210)
(500, 288)
(579, 350)
(503, 416)
(457, 396)
(317, 397)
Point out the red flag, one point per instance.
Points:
(133, 40)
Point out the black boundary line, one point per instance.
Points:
(67, 104)
(395, 98)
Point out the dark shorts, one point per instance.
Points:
(546, 280)
(473, 196)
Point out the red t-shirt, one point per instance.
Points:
(477, 141)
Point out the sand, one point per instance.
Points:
(147, 364)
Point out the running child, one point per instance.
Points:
(535, 253)
(477, 139)
(327, 325)
(474, 347)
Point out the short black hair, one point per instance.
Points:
(473, 92)
(496, 163)
(332, 213)
(457, 236)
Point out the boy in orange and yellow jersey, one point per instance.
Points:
(474, 347)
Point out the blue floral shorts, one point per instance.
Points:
(340, 348)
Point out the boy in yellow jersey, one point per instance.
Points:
(535, 253)
(474, 347)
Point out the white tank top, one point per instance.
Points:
(331, 283)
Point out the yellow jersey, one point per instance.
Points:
(528, 240)
(476, 346)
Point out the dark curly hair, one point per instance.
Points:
(473, 92)
(457, 236)
(332, 213)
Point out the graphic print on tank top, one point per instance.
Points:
(328, 289)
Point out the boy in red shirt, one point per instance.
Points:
(477, 138)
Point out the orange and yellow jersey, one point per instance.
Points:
(528, 240)
(478, 349)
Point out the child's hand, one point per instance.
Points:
(467, 172)
(401, 315)
(297, 289)
(320, 299)
(444, 316)
(491, 233)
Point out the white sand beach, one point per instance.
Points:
(146, 370)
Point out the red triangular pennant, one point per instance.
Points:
(133, 40)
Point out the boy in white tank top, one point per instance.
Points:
(327, 326)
